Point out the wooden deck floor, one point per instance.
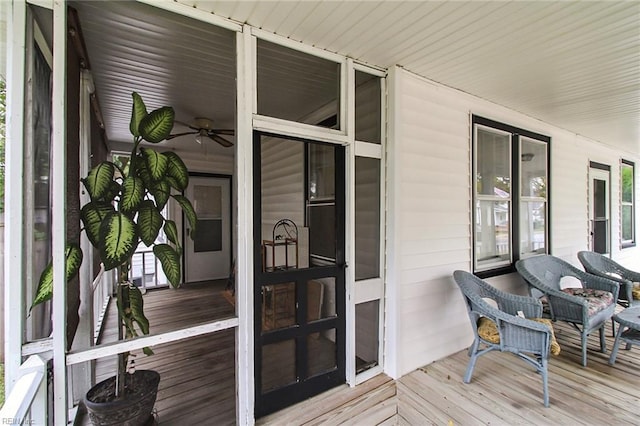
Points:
(197, 375)
(198, 381)
(503, 391)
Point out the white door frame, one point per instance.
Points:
(600, 172)
(227, 220)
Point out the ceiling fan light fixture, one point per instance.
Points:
(200, 136)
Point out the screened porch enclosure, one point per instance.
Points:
(105, 74)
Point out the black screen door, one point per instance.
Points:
(299, 279)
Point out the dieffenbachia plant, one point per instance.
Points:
(126, 208)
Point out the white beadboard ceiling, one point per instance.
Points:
(572, 64)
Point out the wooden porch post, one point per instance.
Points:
(58, 210)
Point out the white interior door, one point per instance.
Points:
(599, 210)
(208, 253)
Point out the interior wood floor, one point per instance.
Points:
(197, 375)
(198, 380)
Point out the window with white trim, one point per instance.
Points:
(627, 204)
(510, 196)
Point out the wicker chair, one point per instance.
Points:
(587, 309)
(597, 264)
(529, 340)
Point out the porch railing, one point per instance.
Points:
(27, 402)
(103, 288)
(145, 272)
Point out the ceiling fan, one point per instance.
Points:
(203, 127)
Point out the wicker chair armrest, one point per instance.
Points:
(630, 275)
(596, 282)
(568, 307)
(513, 303)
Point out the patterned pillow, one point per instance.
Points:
(488, 331)
(597, 299)
(635, 291)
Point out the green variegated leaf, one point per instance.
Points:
(92, 215)
(189, 212)
(170, 262)
(45, 286)
(99, 180)
(149, 222)
(155, 163)
(132, 194)
(156, 126)
(73, 260)
(171, 231)
(177, 170)
(172, 182)
(143, 172)
(137, 309)
(160, 191)
(118, 239)
(138, 112)
(73, 255)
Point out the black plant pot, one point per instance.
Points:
(135, 409)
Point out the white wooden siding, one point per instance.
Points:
(283, 189)
(429, 212)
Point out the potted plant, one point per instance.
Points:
(125, 207)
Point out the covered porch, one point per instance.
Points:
(415, 174)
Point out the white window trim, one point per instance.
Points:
(629, 242)
(544, 200)
(515, 197)
(494, 198)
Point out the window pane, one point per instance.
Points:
(492, 233)
(368, 108)
(533, 168)
(296, 86)
(367, 329)
(322, 172)
(367, 218)
(532, 227)
(322, 233)
(627, 223)
(599, 199)
(493, 163)
(627, 183)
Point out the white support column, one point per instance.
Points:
(350, 232)
(83, 376)
(58, 210)
(392, 296)
(13, 253)
(244, 278)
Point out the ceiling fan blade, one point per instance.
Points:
(182, 123)
(222, 141)
(228, 132)
(180, 134)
